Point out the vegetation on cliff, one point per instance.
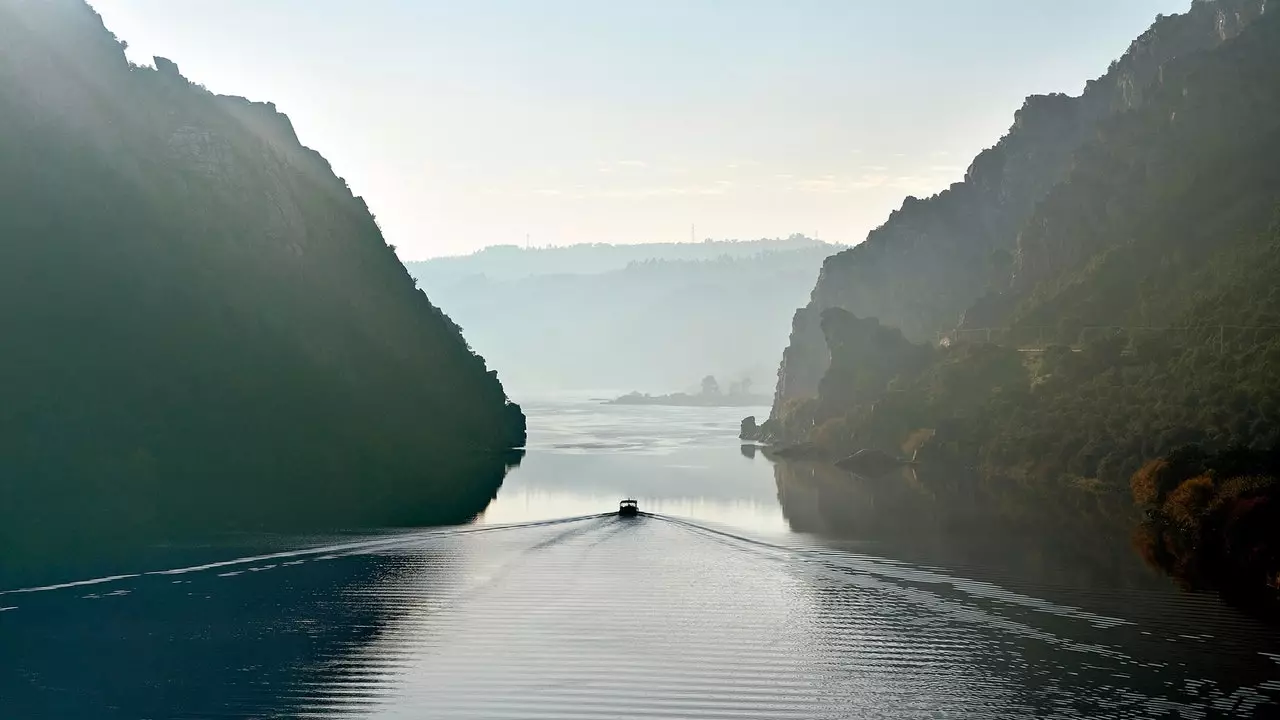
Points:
(1165, 234)
(201, 323)
(1096, 411)
(936, 257)
(1140, 311)
(1102, 409)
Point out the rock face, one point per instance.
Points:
(1161, 193)
(865, 358)
(201, 321)
(934, 257)
(1154, 305)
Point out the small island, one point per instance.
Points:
(739, 395)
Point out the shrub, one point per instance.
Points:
(1187, 504)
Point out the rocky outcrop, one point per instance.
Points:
(865, 358)
(934, 257)
(1159, 192)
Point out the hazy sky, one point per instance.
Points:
(467, 123)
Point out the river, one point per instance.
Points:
(746, 590)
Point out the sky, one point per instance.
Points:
(467, 124)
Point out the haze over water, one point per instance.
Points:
(752, 590)
(683, 461)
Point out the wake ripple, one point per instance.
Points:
(605, 617)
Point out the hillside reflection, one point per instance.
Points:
(1066, 547)
(59, 539)
(1063, 536)
(244, 640)
(183, 618)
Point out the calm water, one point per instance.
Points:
(751, 591)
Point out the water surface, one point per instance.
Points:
(752, 590)
(584, 456)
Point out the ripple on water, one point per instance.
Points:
(601, 617)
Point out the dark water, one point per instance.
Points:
(751, 591)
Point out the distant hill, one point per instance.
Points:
(646, 317)
(202, 326)
(511, 262)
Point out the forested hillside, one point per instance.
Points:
(1140, 317)
(936, 256)
(202, 324)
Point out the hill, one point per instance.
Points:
(937, 256)
(203, 326)
(511, 262)
(669, 314)
(1135, 315)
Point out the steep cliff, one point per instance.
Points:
(1159, 195)
(935, 257)
(1162, 240)
(201, 322)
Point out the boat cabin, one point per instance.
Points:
(628, 508)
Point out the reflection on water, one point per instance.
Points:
(921, 595)
(674, 460)
(1066, 547)
(1057, 536)
(603, 617)
(79, 535)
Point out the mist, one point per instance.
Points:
(650, 317)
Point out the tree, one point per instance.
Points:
(710, 386)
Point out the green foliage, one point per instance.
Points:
(1162, 191)
(970, 377)
(865, 357)
(1163, 223)
(835, 435)
(1106, 410)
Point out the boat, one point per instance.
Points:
(628, 508)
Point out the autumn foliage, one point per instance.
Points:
(1213, 520)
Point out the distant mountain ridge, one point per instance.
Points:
(650, 318)
(203, 326)
(512, 262)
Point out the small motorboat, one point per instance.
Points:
(628, 508)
